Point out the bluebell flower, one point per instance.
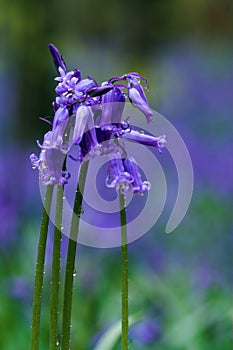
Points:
(67, 81)
(138, 186)
(71, 88)
(118, 177)
(84, 133)
(148, 140)
(50, 161)
(138, 98)
(113, 103)
(83, 122)
(136, 93)
(124, 175)
(96, 127)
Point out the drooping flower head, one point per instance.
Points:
(93, 115)
(50, 161)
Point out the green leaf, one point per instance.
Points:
(112, 335)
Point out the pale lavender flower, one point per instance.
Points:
(61, 115)
(83, 122)
(50, 161)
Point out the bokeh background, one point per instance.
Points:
(180, 283)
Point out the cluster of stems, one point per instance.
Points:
(61, 339)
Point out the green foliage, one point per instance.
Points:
(192, 314)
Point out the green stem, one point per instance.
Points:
(124, 275)
(70, 262)
(54, 298)
(38, 285)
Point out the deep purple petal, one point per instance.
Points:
(99, 90)
(85, 85)
(77, 74)
(57, 58)
(113, 104)
(158, 142)
(103, 135)
(89, 146)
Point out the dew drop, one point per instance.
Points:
(62, 227)
(74, 273)
(81, 212)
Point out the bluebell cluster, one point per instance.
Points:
(89, 114)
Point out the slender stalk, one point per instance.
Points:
(38, 285)
(124, 275)
(70, 262)
(54, 298)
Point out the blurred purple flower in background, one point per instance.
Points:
(19, 288)
(203, 277)
(15, 198)
(9, 198)
(146, 332)
(197, 88)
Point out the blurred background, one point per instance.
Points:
(180, 283)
